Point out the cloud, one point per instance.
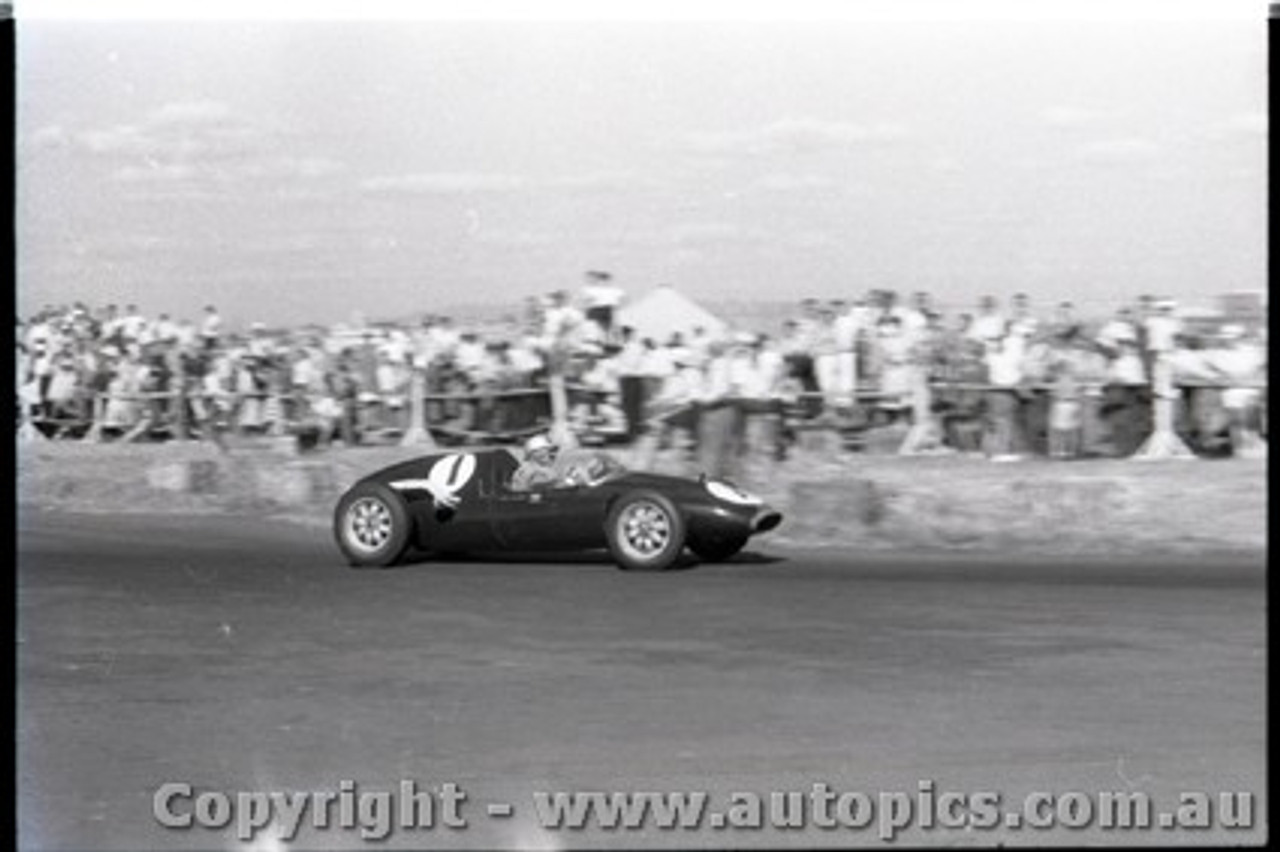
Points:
(1067, 116)
(180, 131)
(601, 182)
(463, 183)
(783, 182)
(1119, 151)
(709, 233)
(790, 135)
(1247, 124)
(201, 143)
(290, 168)
(191, 114)
(444, 183)
(49, 137)
(811, 240)
(517, 239)
(155, 171)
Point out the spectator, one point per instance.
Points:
(1004, 369)
(1064, 316)
(1240, 364)
(825, 352)
(211, 329)
(1066, 398)
(1024, 322)
(845, 330)
(132, 325)
(1126, 399)
(720, 418)
(601, 299)
(897, 381)
(796, 353)
(988, 326)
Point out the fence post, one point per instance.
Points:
(94, 435)
(1249, 444)
(560, 431)
(27, 430)
(1164, 442)
(925, 434)
(182, 425)
(274, 411)
(417, 435)
(144, 424)
(1246, 438)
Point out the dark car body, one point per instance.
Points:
(490, 516)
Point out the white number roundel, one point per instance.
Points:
(451, 473)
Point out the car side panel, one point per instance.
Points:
(550, 519)
(464, 527)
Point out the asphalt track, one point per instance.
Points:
(242, 655)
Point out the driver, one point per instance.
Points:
(539, 467)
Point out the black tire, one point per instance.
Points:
(372, 525)
(718, 550)
(646, 532)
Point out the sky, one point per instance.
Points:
(314, 169)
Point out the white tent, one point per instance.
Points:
(665, 311)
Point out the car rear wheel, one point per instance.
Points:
(718, 550)
(646, 532)
(372, 525)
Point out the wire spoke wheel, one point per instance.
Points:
(372, 525)
(368, 524)
(646, 529)
(646, 532)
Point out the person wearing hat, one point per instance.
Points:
(1126, 400)
(539, 468)
(988, 325)
(601, 298)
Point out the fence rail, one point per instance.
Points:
(506, 415)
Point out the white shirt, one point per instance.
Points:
(562, 321)
(211, 326)
(914, 323)
(1127, 368)
(602, 295)
(470, 355)
(1116, 332)
(631, 360)
(132, 325)
(1161, 333)
(684, 386)
(304, 372)
(1004, 363)
(525, 357)
(987, 327)
(657, 363)
(391, 377)
(846, 331)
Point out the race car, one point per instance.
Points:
(463, 502)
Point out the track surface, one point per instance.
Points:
(238, 655)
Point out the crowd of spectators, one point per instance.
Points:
(1006, 381)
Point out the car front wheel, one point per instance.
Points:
(372, 525)
(646, 532)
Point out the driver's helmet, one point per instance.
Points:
(538, 444)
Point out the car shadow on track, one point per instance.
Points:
(686, 562)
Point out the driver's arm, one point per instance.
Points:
(530, 476)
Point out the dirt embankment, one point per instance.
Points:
(868, 501)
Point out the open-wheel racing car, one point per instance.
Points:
(461, 502)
